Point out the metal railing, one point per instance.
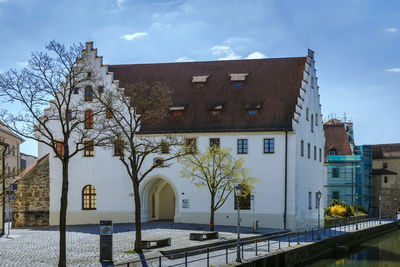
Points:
(257, 245)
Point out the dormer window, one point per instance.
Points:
(76, 90)
(252, 108)
(332, 151)
(177, 111)
(238, 79)
(199, 81)
(89, 74)
(215, 110)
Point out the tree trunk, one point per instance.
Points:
(212, 211)
(138, 223)
(62, 262)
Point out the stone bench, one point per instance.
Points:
(149, 243)
(204, 236)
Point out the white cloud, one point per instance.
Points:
(256, 55)
(224, 52)
(119, 2)
(184, 59)
(132, 36)
(391, 30)
(393, 70)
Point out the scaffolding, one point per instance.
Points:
(343, 172)
(351, 174)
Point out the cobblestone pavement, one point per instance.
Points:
(39, 246)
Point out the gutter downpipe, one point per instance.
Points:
(285, 208)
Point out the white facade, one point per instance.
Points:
(166, 195)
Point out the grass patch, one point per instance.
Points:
(130, 252)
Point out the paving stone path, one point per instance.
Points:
(39, 246)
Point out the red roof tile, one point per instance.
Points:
(386, 151)
(274, 84)
(336, 137)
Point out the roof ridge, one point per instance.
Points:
(207, 61)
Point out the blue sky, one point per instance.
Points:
(356, 43)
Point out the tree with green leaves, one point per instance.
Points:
(218, 171)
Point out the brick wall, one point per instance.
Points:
(31, 204)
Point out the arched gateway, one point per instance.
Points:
(159, 200)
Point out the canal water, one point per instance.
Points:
(381, 251)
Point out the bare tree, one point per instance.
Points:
(218, 171)
(128, 110)
(53, 78)
(3, 180)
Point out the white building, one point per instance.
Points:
(26, 160)
(267, 110)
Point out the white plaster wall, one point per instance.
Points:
(115, 193)
(310, 173)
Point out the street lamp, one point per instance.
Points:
(356, 211)
(319, 194)
(238, 194)
(395, 207)
(380, 208)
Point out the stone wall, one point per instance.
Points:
(31, 205)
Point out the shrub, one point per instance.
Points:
(327, 212)
(338, 210)
(361, 209)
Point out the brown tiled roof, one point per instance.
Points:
(274, 84)
(386, 151)
(382, 171)
(336, 137)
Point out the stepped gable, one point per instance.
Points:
(386, 151)
(336, 137)
(272, 86)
